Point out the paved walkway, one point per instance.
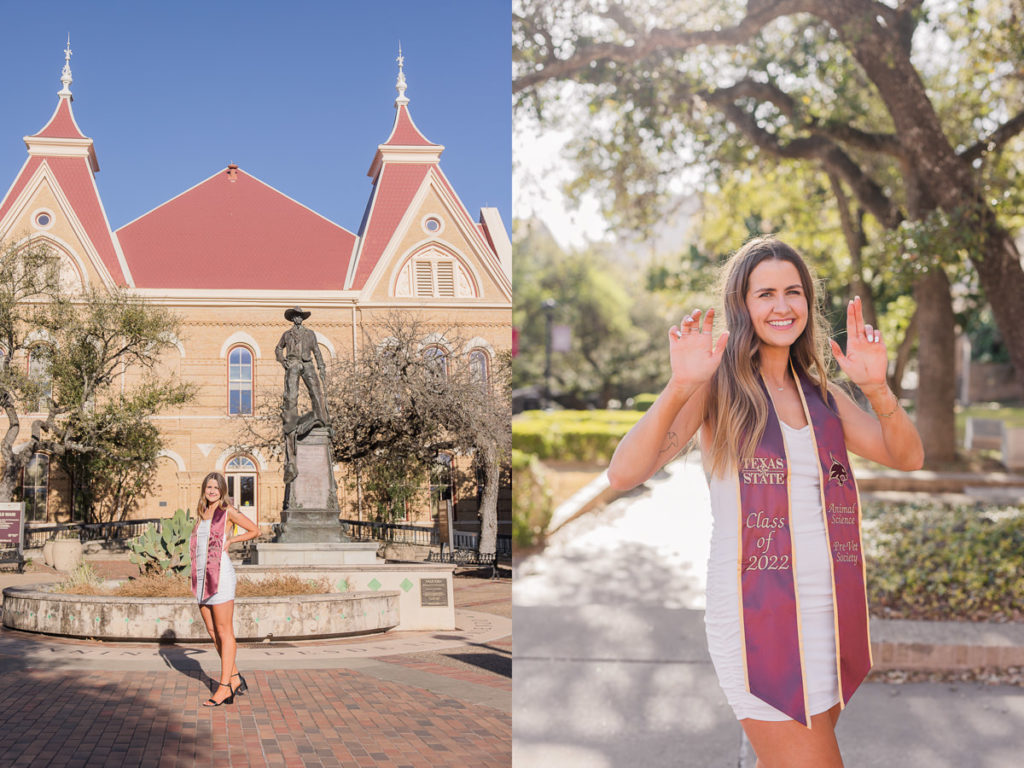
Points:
(611, 664)
(416, 700)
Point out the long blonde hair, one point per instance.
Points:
(736, 410)
(222, 483)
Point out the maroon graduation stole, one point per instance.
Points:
(769, 599)
(214, 547)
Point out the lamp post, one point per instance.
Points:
(549, 310)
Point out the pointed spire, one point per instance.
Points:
(400, 84)
(65, 75)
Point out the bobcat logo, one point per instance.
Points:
(837, 471)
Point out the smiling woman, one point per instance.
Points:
(786, 610)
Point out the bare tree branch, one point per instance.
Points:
(749, 88)
(819, 148)
(885, 143)
(669, 40)
(996, 139)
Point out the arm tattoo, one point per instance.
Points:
(671, 443)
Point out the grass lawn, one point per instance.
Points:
(1011, 415)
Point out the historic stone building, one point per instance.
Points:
(230, 255)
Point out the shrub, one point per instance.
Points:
(644, 402)
(164, 551)
(958, 563)
(154, 585)
(177, 585)
(531, 500)
(283, 584)
(572, 435)
(82, 578)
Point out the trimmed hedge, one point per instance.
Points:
(946, 563)
(572, 435)
(644, 402)
(532, 505)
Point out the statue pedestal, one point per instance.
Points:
(306, 554)
(311, 513)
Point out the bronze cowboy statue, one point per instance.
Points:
(299, 353)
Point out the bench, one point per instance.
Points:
(984, 434)
(466, 558)
(12, 556)
(1013, 448)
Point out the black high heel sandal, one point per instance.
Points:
(226, 700)
(242, 685)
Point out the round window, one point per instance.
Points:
(43, 219)
(432, 224)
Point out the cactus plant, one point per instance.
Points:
(165, 551)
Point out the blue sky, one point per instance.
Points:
(298, 93)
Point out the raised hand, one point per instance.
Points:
(866, 361)
(693, 355)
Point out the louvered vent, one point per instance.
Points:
(424, 279)
(445, 278)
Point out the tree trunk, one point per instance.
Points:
(950, 181)
(9, 477)
(1002, 278)
(489, 503)
(936, 389)
(856, 242)
(903, 357)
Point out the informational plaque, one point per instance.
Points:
(433, 592)
(12, 524)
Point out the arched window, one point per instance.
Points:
(242, 476)
(438, 357)
(479, 366)
(39, 373)
(240, 381)
(35, 483)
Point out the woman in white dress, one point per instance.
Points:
(786, 610)
(213, 577)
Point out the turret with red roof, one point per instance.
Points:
(55, 191)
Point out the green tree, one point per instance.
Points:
(119, 468)
(911, 110)
(85, 342)
(617, 340)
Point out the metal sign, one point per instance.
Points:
(433, 592)
(12, 524)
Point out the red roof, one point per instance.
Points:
(235, 234)
(75, 178)
(19, 184)
(62, 124)
(404, 132)
(393, 191)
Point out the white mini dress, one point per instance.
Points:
(226, 585)
(813, 580)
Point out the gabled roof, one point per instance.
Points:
(73, 179)
(61, 124)
(234, 231)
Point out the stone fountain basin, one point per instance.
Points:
(35, 608)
